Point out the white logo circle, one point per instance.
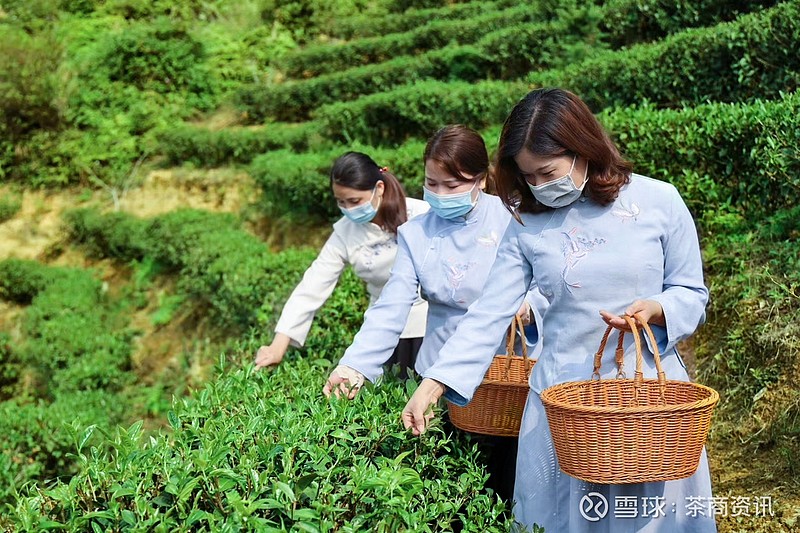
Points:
(593, 506)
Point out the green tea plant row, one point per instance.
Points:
(318, 59)
(742, 154)
(752, 55)
(507, 53)
(67, 319)
(200, 146)
(265, 451)
(73, 359)
(224, 268)
(361, 26)
(295, 100)
(628, 21)
(503, 54)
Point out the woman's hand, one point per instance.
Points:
(524, 313)
(272, 354)
(650, 310)
(343, 382)
(418, 411)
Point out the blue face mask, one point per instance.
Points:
(450, 206)
(362, 213)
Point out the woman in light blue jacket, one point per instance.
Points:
(446, 254)
(601, 242)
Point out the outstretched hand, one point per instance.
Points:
(650, 310)
(343, 382)
(419, 409)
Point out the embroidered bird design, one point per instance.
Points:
(626, 213)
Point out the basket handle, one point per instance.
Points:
(619, 354)
(511, 338)
(662, 378)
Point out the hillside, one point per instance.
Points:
(163, 186)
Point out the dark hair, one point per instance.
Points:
(358, 171)
(460, 150)
(553, 122)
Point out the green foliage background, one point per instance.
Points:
(93, 93)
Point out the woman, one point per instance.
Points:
(374, 205)
(599, 241)
(446, 254)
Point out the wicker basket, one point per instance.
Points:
(497, 405)
(622, 430)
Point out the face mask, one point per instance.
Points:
(560, 192)
(362, 213)
(450, 206)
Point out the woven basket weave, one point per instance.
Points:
(497, 405)
(622, 430)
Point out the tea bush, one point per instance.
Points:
(71, 340)
(370, 25)
(295, 100)
(265, 451)
(731, 62)
(39, 437)
(627, 22)
(10, 205)
(657, 71)
(418, 110)
(751, 343)
(219, 265)
(71, 361)
(21, 280)
(319, 59)
(740, 155)
(212, 148)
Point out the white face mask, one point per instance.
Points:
(560, 192)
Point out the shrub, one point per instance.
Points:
(368, 25)
(21, 280)
(750, 56)
(294, 100)
(28, 82)
(9, 368)
(741, 155)
(219, 265)
(207, 148)
(69, 338)
(324, 58)
(38, 438)
(627, 22)
(284, 459)
(730, 62)
(160, 57)
(419, 110)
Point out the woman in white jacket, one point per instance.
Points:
(374, 204)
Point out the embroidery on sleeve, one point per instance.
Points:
(575, 249)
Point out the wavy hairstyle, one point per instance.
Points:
(555, 122)
(359, 171)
